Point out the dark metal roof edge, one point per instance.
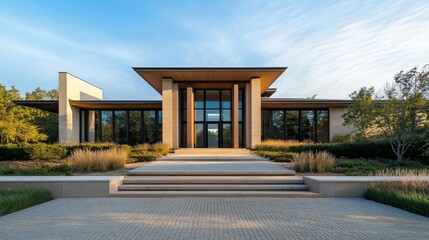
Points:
(209, 68)
(36, 101)
(116, 101)
(292, 100)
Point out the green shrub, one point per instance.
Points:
(374, 149)
(413, 202)
(277, 156)
(278, 145)
(149, 152)
(341, 137)
(356, 167)
(15, 199)
(146, 156)
(13, 152)
(44, 151)
(44, 170)
(95, 147)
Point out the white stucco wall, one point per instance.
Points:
(73, 88)
(336, 122)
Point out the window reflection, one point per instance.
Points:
(278, 124)
(121, 126)
(107, 126)
(301, 125)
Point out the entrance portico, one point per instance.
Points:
(211, 107)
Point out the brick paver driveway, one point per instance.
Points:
(213, 218)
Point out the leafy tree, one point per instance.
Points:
(16, 121)
(361, 112)
(398, 113)
(47, 122)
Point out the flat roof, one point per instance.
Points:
(154, 75)
(116, 104)
(303, 103)
(46, 105)
(52, 105)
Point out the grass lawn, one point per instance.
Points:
(15, 199)
(359, 167)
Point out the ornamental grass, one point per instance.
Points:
(319, 162)
(410, 192)
(85, 160)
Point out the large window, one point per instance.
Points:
(322, 126)
(295, 124)
(135, 128)
(149, 126)
(307, 126)
(107, 126)
(278, 126)
(121, 126)
(292, 125)
(121, 133)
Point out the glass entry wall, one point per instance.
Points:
(131, 127)
(296, 124)
(212, 123)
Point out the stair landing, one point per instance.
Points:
(212, 173)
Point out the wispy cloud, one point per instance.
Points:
(331, 47)
(46, 52)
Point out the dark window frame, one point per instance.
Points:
(300, 127)
(99, 138)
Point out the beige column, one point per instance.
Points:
(190, 117)
(248, 114)
(235, 141)
(255, 106)
(167, 111)
(175, 115)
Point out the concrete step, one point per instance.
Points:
(211, 158)
(213, 187)
(211, 152)
(294, 194)
(209, 173)
(213, 180)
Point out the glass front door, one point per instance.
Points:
(212, 118)
(212, 135)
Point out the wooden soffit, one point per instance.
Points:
(154, 76)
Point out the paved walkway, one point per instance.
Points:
(212, 168)
(213, 218)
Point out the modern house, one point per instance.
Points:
(200, 108)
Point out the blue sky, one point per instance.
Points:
(331, 47)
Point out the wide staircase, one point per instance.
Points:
(212, 173)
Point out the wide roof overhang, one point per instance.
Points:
(46, 105)
(116, 104)
(216, 75)
(282, 103)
